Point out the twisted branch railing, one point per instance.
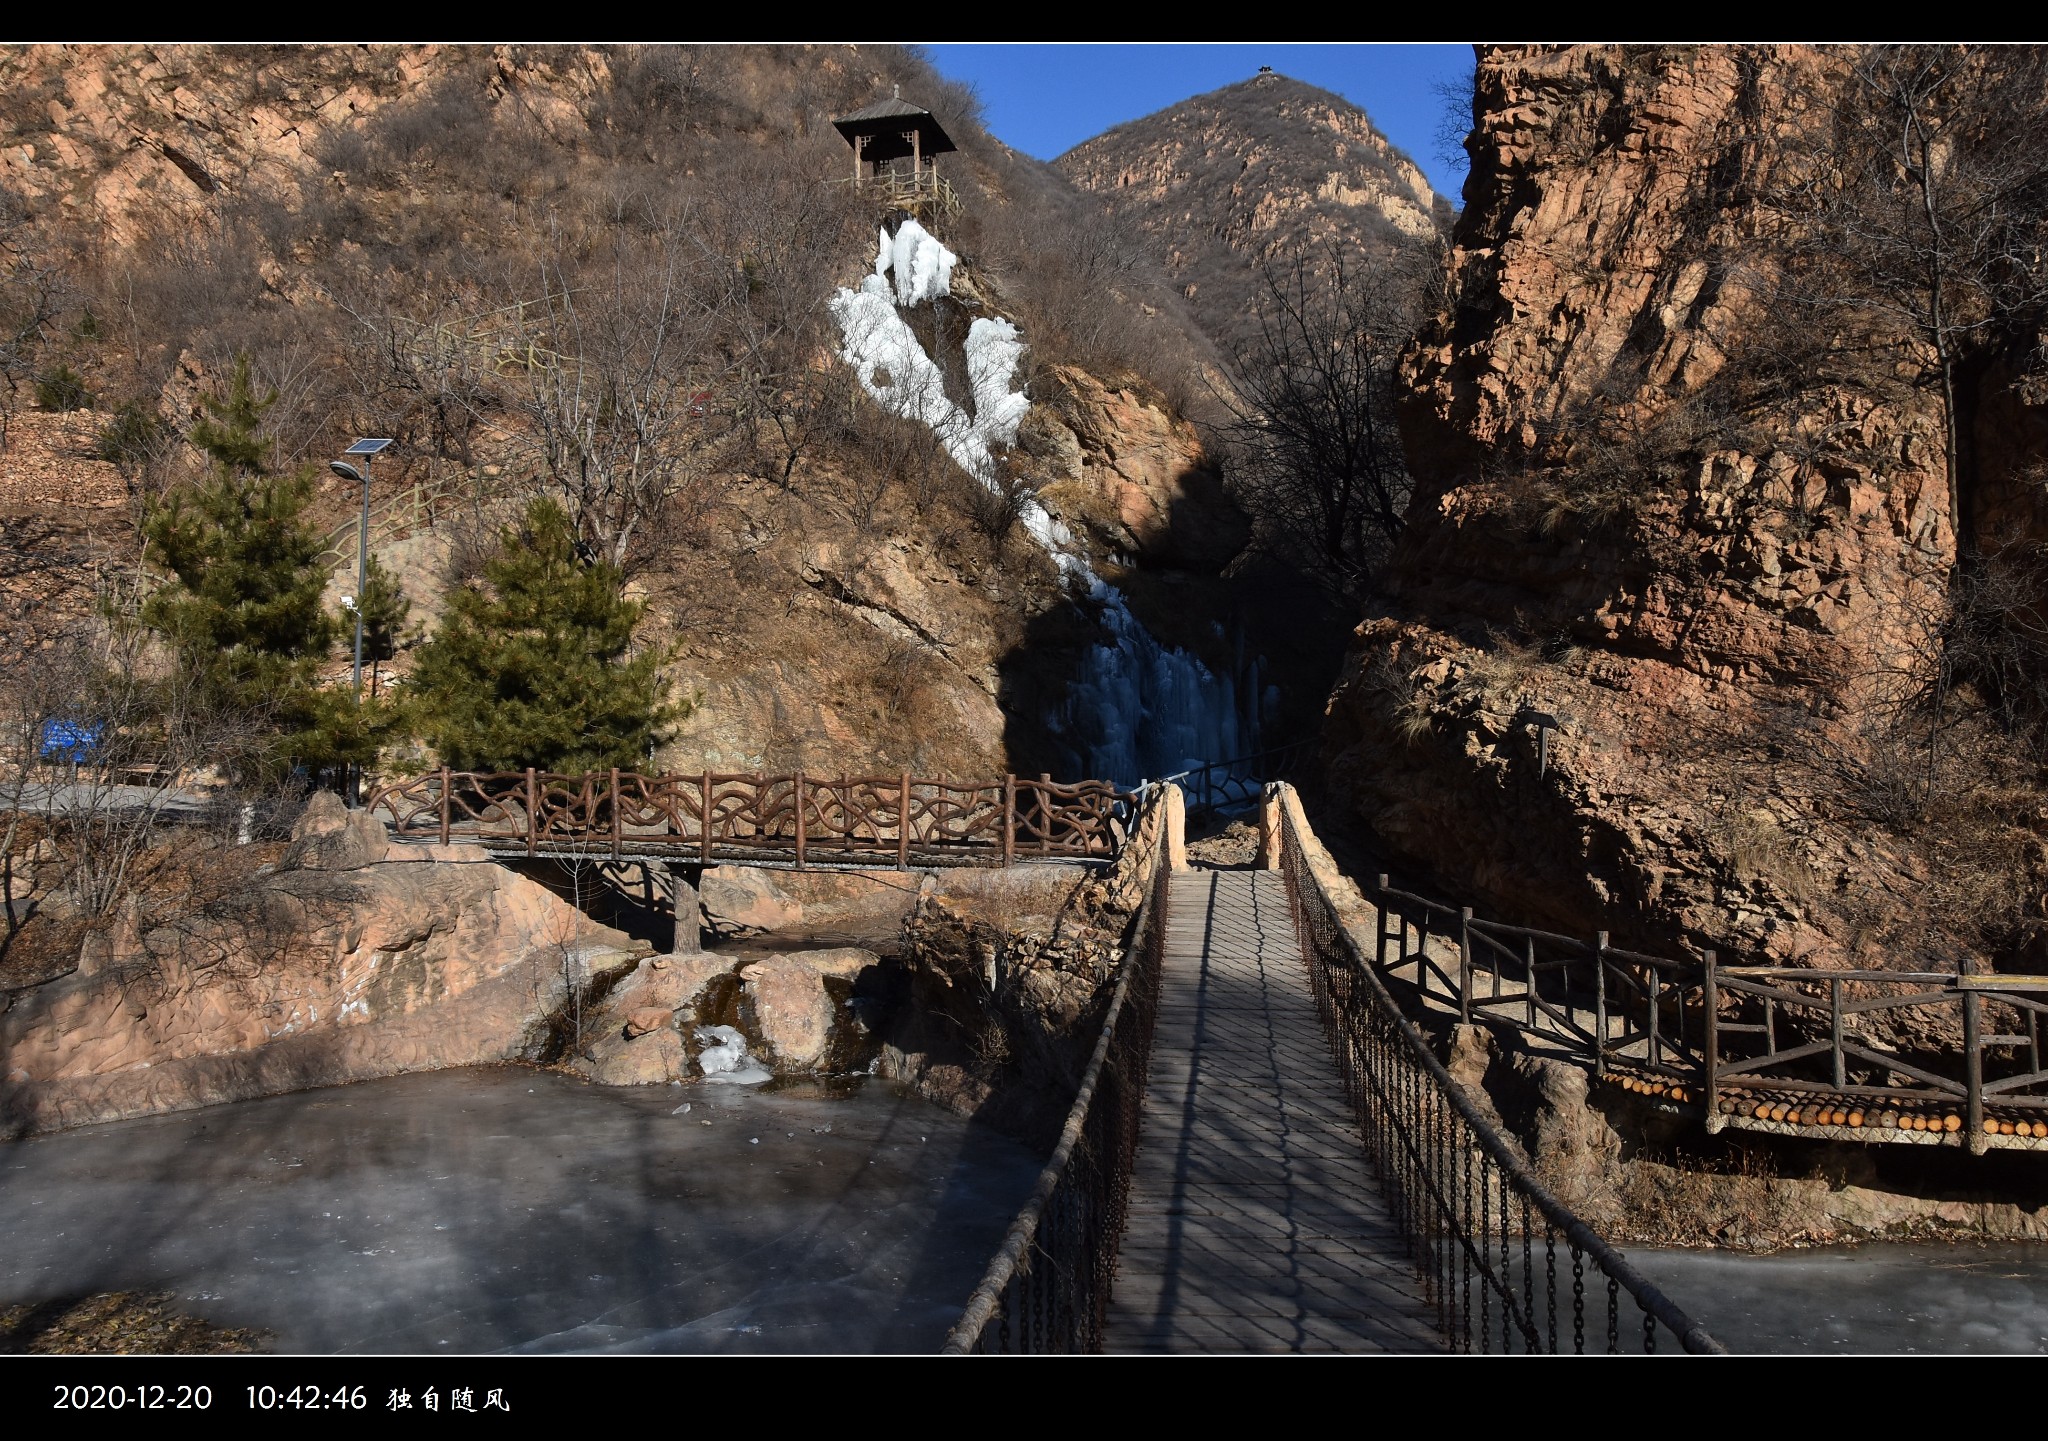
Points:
(872, 820)
(1239, 781)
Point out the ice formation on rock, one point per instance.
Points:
(1138, 709)
(725, 1058)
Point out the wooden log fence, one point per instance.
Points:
(799, 819)
(1759, 1047)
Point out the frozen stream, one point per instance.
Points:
(1136, 709)
(1963, 1299)
(511, 1209)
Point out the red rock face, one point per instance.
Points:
(1717, 619)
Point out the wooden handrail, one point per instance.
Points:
(871, 819)
(1662, 1017)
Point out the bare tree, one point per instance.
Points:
(100, 750)
(33, 292)
(623, 373)
(1312, 437)
(1912, 193)
(768, 231)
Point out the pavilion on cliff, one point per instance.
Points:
(889, 132)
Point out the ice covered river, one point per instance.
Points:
(1960, 1299)
(508, 1209)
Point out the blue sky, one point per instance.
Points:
(1044, 99)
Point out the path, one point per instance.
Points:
(1255, 1222)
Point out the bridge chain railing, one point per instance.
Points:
(1507, 1265)
(799, 818)
(1047, 1290)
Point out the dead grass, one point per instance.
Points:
(1498, 679)
(1757, 849)
(119, 1323)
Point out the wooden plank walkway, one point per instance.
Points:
(1255, 1222)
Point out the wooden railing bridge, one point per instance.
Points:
(797, 819)
(1956, 1061)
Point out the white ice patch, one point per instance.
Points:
(1139, 709)
(923, 267)
(724, 1057)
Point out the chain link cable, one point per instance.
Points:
(1528, 1276)
(1578, 1301)
(1550, 1279)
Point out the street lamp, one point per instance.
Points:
(366, 449)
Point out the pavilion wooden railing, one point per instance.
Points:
(801, 818)
(923, 193)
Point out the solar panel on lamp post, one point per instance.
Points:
(366, 449)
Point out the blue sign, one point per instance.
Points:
(70, 741)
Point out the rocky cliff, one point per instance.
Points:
(1662, 652)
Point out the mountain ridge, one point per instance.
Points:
(1238, 177)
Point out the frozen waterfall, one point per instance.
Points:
(1137, 709)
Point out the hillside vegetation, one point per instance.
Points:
(599, 274)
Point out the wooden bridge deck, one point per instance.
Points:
(1255, 1220)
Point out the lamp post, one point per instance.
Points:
(366, 449)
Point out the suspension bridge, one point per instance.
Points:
(1265, 1155)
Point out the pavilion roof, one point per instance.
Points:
(888, 125)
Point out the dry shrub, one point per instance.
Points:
(1757, 849)
(1497, 679)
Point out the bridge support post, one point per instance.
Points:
(1269, 829)
(1973, 1070)
(532, 810)
(688, 908)
(1600, 1006)
(1710, 999)
(1465, 966)
(903, 825)
(1176, 836)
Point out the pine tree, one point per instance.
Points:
(536, 672)
(384, 608)
(244, 615)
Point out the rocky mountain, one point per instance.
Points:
(1261, 170)
(1709, 532)
(420, 241)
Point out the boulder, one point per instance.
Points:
(632, 1034)
(315, 976)
(647, 1018)
(798, 1002)
(330, 837)
(750, 900)
(623, 1058)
